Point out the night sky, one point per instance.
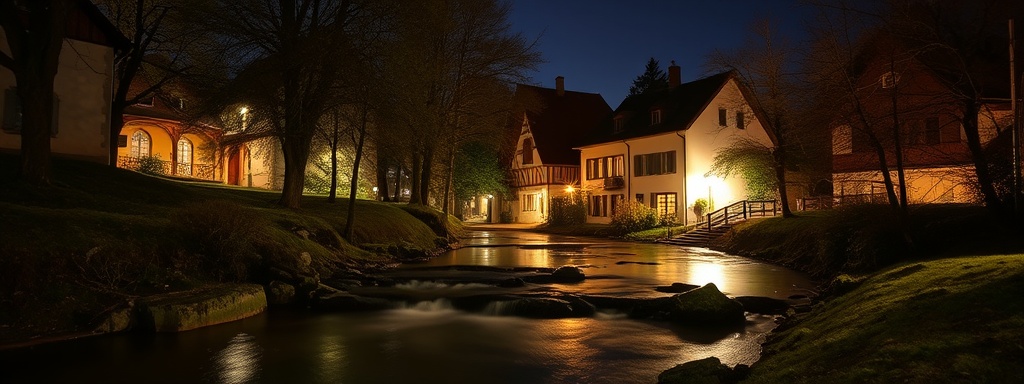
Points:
(602, 45)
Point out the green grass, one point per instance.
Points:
(657, 233)
(861, 239)
(98, 235)
(951, 320)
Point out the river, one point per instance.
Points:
(429, 342)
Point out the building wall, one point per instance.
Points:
(83, 90)
(924, 185)
(259, 159)
(163, 136)
(595, 187)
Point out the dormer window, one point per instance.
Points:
(619, 123)
(722, 116)
(527, 151)
(656, 117)
(889, 79)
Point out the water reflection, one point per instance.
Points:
(701, 273)
(239, 362)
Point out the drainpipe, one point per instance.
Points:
(686, 215)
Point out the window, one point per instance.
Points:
(619, 123)
(184, 151)
(950, 133)
(640, 197)
(530, 202)
(665, 204)
(12, 112)
(140, 144)
(528, 151)
(599, 205)
(722, 114)
(660, 163)
(739, 120)
(890, 79)
(931, 130)
(656, 117)
(146, 102)
(617, 202)
(603, 167)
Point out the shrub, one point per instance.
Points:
(568, 210)
(224, 233)
(700, 207)
(633, 216)
(151, 165)
(505, 217)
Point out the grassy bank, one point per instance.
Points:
(99, 236)
(861, 239)
(951, 320)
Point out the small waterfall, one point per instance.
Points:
(438, 305)
(418, 285)
(499, 308)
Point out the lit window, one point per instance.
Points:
(656, 117)
(140, 144)
(890, 79)
(184, 151)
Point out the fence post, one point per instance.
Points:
(745, 209)
(709, 222)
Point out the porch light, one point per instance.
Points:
(569, 189)
(490, 197)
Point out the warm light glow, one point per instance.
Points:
(490, 197)
(570, 189)
(243, 110)
(374, 189)
(703, 273)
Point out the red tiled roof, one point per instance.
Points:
(558, 122)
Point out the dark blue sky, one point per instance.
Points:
(600, 46)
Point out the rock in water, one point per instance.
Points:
(704, 371)
(182, 311)
(346, 302)
(568, 274)
(279, 293)
(705, 306)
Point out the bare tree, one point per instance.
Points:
(35, 34)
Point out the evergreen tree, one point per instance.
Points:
(653, 79)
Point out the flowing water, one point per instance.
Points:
(426, 341)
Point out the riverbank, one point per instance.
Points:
(100, 237)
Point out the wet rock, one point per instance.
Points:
(305, 259)
(580, 307)
(537, 308)
(116, 320)
(676, 288)
(513, 282)
(705, 306)
(763, 305)
(280, 293)
(704, 371)
(345, 302)
(568, 274)
(182, 311)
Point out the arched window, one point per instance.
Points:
(184, 151)
(140, 144)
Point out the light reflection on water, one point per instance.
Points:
(431, 342)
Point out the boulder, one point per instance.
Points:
(568, 274)
(763, 305)
(533, 307)
(346, 302)
(115, 320)
(704, 371)
(512, 282)
(182, 311)
(279, 293)
(705, 306)
(676, 288)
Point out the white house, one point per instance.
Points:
(82, 88)
(549, 122)
(657, 148)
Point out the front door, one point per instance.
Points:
(233, 167)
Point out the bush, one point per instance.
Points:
(700, 207)
(505, 217)
(224, 233)
(151, 165)
(568, 210)
(633, 216)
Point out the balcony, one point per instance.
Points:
(614, 182)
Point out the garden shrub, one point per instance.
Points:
(151, 165)
(700, 207)
(224, 234)
(568, 210)
(633, 216)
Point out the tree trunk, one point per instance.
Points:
(426, 170)
(985, 182)
(898, 151)
(414, 189)
(116, 126)
(333, 193)
(448, 178)
(354, 184)
(398, 181)
(382, 178)
(36, 123)
(780, 170)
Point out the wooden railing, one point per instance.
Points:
(741, 210)
(828, 202)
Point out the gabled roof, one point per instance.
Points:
(557, 122)
(680, 107)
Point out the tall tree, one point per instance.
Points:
(35, 34)
(653, 79)
(763, 69)
(289, 57)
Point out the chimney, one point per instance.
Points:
(560, 85)
(673, 75)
